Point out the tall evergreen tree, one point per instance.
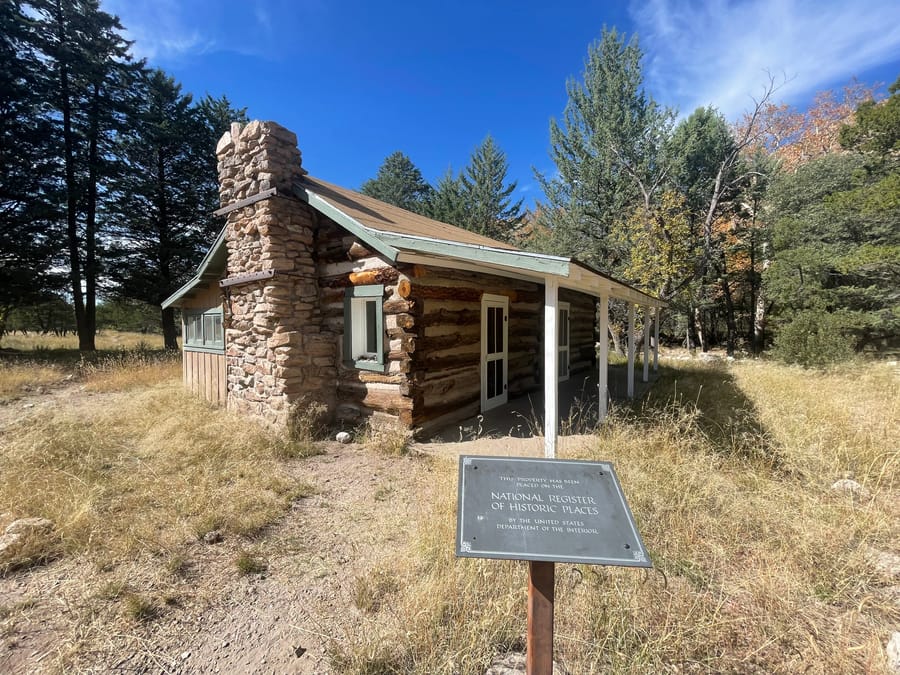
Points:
(89, 75)
(399, 182)
(162, 204)
(607, 150)
(448, 202)
(486, 196)
(28, 232)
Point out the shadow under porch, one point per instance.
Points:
(522, 417)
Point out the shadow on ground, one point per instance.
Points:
(707, 392)
(702, 391)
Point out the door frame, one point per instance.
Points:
(567, 307)
(488, 300)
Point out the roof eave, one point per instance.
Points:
(207, 270)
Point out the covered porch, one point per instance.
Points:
(578, 408)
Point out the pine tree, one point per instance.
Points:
(486, 196)
(607, 151)
(28, 213)
(399, 182)
(162, 204)
(448, 202)
(87, 75)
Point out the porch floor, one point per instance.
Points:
(523, 417)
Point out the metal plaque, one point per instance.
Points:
(555, 510)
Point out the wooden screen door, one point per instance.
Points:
(494, 334)
(563, 342)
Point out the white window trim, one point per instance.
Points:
(355, 324)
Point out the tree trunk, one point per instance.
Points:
(731, 327)
(170, 334)
(698, 328)
(87, 332)
(617, 343)
(71, 187)
(759, 314)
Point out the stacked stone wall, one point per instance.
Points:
(278, 350)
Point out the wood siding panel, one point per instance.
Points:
(204, 375)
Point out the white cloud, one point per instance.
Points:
(160, 29)
(164, 31)
(720, 52)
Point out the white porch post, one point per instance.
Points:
(630, 350)
(656, 340)
(551, 362)
(603, 358)
(646, 374)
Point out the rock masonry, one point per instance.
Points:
(277, 348)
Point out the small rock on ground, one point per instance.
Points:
(893, 653)
(888, 564)
(514, 664)
(851, 486)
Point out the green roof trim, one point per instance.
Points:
(534, 262)
(367, 236)
(211, 267)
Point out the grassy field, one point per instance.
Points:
(759, 565)
(35, 363)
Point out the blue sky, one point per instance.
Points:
(359, 80)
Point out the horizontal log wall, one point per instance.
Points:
(582, 330)
(343, 261)
(445, 381)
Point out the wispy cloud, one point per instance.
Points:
(719, 52)
(165, 31)
(161, 29)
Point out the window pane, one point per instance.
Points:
(563, 332)
(498, 317)
(371, 327)
(491, 381)
(217, 336)
(208, 329)
(193, 327)
(498, 373)
(491, 330)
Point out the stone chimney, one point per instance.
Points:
(276, 350)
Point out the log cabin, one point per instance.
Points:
(313, 292)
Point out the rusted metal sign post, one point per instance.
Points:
(544, 511)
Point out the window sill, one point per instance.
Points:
(366, 365)
(206, 350)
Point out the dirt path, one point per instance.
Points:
(288, 619)
(285, 620)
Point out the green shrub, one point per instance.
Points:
(814, 339)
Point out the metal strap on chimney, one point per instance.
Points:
(258, 197)
(246, 278)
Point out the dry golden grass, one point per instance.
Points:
(32, 364)
(104, 340)
(129, 369)
(759, 565)
(144, 472)
(20, 379)
(386, 437)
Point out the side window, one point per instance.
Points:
(203, 330)
(364, 327)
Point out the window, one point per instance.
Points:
(364, 327)
(203, 330)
